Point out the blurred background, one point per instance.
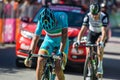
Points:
(11, 11)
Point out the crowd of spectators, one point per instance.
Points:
(20, 8)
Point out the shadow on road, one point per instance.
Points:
(7, 60)
(75, 70)
(111, 65)
(111, 69)
(115, 32)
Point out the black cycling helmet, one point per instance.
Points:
(94, 9)
(47, 18)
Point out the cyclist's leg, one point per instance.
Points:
(44, 49)
(100, 52)
(40, 65)
(58, 69)
(92, 38)
(65, 54)
(91, 41)
(59, 72)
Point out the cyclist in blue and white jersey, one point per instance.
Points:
(55, 25)
(96, 21)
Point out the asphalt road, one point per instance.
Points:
(9, 71)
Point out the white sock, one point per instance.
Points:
(100, 63)
(88, 69)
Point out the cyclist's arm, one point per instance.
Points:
(64, 20)
(81, 33)
(103, 37)
(105, 22)
(84, 27)
(64, 38)
(36, 37)
(34, 43)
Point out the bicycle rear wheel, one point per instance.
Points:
(88, 70)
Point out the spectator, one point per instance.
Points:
(23, 10)
(1, 8)
(27, 9)
(15, 6)
(8, 9)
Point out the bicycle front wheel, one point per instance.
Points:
(47, 75)
(88, 70)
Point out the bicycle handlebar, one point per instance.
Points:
(89, 45)
(46, 56)
(85, 45)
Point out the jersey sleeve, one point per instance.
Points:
(105, 21)
(86, 20)
(64, 19)
(38, 29)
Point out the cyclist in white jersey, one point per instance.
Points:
(55, 25)
(96, 21)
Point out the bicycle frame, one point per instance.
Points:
(49, 67)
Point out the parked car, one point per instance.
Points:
(75, 18)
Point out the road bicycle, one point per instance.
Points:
(49, 67)
(91, 63)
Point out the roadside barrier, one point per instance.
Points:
(1, 30)
(9, 30)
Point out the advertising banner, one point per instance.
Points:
(9, 30)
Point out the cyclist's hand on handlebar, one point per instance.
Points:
(76, 44)
(60, 54)
(63, 58)
(28, 60)
(101, 44)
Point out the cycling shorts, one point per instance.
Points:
(93, 36)
(50, 43)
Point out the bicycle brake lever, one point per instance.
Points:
(76, 47)
(29, 55)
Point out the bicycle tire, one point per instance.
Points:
(85, 72)
(47, 75)
(96, 62)
(95, 74)
(44, 77)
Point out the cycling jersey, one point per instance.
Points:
(61, 23)
(53, 34)
(93, 25)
